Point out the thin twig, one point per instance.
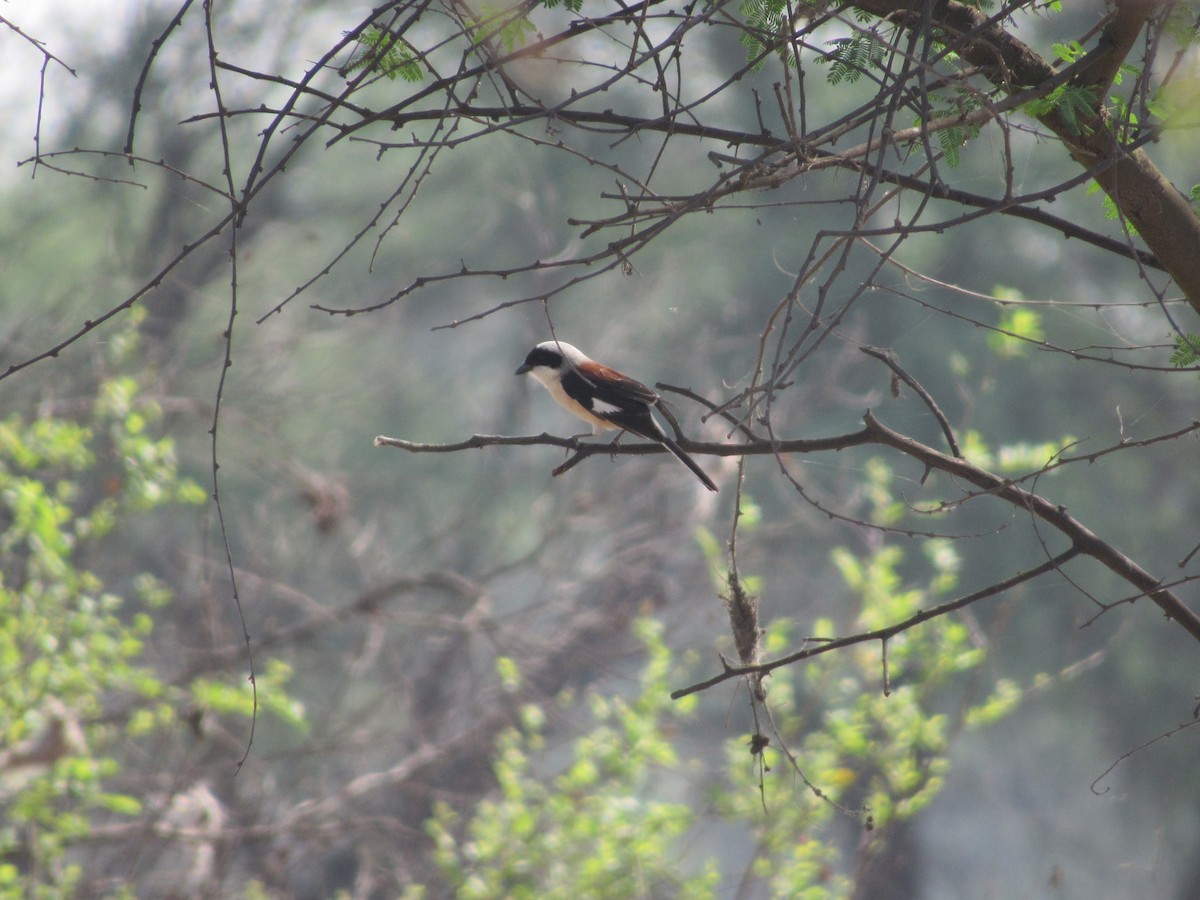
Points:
(888, 358)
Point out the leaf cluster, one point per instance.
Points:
(603, 825)
(597, 829)
(381, 52)
(850, 58)
(1187, 351)
(71, 649)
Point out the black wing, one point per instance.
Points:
(626, 403)
(614, 397)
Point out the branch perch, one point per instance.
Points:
(1083, 540)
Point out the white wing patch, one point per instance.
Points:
(599, 406)
(570, 404)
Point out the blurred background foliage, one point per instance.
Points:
(462, 664)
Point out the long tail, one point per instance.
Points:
(687, 461)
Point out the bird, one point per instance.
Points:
(601, 396)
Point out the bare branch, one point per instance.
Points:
(1082, 538)
(888, 358)
(155, 46)
(828, 645)
(40, 45)
(588, 448)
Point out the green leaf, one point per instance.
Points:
(766, 26)
(951, 140)
(508, 673)
(511, 27)
(383, 53)
(1018, 326)
(121, 804)
(1187, 351)
(1004, 699)
(1068, 51)
(222, 698)
(1071, 103)
(976, 450)
(1025, 457)
(851, 57)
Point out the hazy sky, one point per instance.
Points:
(73, 30)
(77, 30)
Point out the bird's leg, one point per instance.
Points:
(614, 443)
(595, 431)
(576, 437)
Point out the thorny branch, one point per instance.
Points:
(895, 181)
(827, 645)
(455, 91)
(1083, 541)
(476, 86)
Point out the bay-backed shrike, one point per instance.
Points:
(602, 397)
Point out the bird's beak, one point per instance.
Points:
(521, 370)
